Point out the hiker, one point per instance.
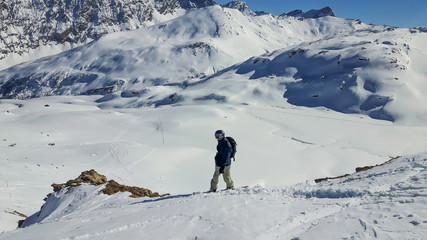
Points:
(222, 161)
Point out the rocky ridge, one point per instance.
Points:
(30, 24)
(93, 178)
(239, 5)
(90, 178)
(324, 12)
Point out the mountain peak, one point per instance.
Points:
(324, 12)
(239, 5)
(187, 4)
(30, 25)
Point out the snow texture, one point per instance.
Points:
(379, 203)
(305, 98)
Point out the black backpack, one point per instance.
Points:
(233, 146)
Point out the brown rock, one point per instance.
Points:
(94, 178)
(113, 187)
(358, 169)
(57, 187)
(91, 177)
(361, 169)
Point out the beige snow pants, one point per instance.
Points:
(226, 175)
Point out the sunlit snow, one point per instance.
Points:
(304, 99)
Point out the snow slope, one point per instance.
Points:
(141, 107)
(360, 71)
(386, 202)
(28, 26)
(170, 149)
(191, 47)
(343, 65)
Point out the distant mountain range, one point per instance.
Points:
(326, 11)
(311, 59)
(30, 24)
(193, 46)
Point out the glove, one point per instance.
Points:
(221, 170)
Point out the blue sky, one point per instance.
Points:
(399, 13)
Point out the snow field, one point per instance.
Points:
(296, 95)
(171, 149)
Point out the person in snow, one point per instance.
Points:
(222, 162)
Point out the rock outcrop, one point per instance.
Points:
(68, 197)
(112, 187)
(358, 169)
(324, 12)
(239, 5)
(30, 24)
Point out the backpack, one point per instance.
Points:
(233, 146)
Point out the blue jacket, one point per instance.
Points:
(224, 150)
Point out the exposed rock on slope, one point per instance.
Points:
(112, 187)
(55, 201)
(241, 6)
(196, 3)
(385, 202)
(30, 24)
(358, 169)
(324, 12)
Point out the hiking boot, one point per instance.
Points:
(230, 188)
(212, 190)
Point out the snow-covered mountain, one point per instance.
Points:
(28, 25)
(34, 29)
(195, 45)
(239, 5)
(360, 71)
(343, 65)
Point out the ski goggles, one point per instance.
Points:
(219, 136)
